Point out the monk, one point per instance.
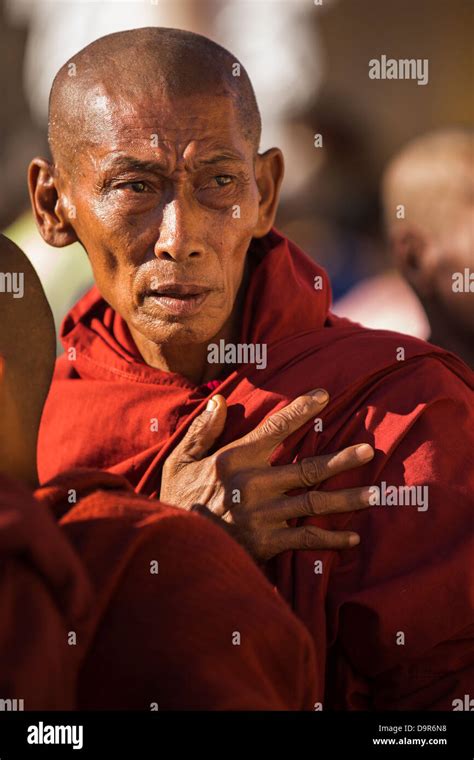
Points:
(74, 632)
(431, 180)
(45, 590)
(44, 586)
(156, 169)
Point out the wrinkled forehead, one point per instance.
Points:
(116, 121)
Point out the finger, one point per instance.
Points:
(313, 470)
(203, 431)
(322, 503)
(264, 439)
(314, 538)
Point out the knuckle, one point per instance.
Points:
(310, 538)
(324, 539)
(196, 426)
(239, 482)
(245, 483)
(302, 406)
(308, 503)
(248, 487)
(311, 470)
(221, 462)
(316, 502)
(192, 437)
(277, 424)
(322, 502)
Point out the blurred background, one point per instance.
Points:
(309, 67)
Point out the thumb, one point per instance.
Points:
(204, 430)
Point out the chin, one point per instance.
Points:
(180, 333)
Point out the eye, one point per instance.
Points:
(223, 179)
(137, 187)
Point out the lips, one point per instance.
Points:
(178, 289)
(179, 299)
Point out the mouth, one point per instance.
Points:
(178, 299)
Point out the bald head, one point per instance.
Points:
(27, 355)
(431, 177)
(132, 64)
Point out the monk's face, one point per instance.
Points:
(165, 198)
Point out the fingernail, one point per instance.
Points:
(320, 395)
(364, 452)
(354, 539)
(211, 405)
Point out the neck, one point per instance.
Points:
(186, 359)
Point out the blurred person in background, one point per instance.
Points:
(428, 195)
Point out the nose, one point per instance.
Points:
(178, 239)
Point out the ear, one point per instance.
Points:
(269, 171)
(412, 255)
(51, 215)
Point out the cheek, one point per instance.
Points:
(251, 207)
(113, 230)
(234, 251)
(114, 244)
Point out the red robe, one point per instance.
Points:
(44, 595)
(159, 607)
(173, 627)
(394, 616)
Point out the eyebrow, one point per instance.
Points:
(127, 163)
(219, 158)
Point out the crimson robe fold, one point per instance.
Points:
(45, 596)
(173, 626)
(392, 619)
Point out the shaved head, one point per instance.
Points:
(431, 176)
(27, 355)
(169, 62)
